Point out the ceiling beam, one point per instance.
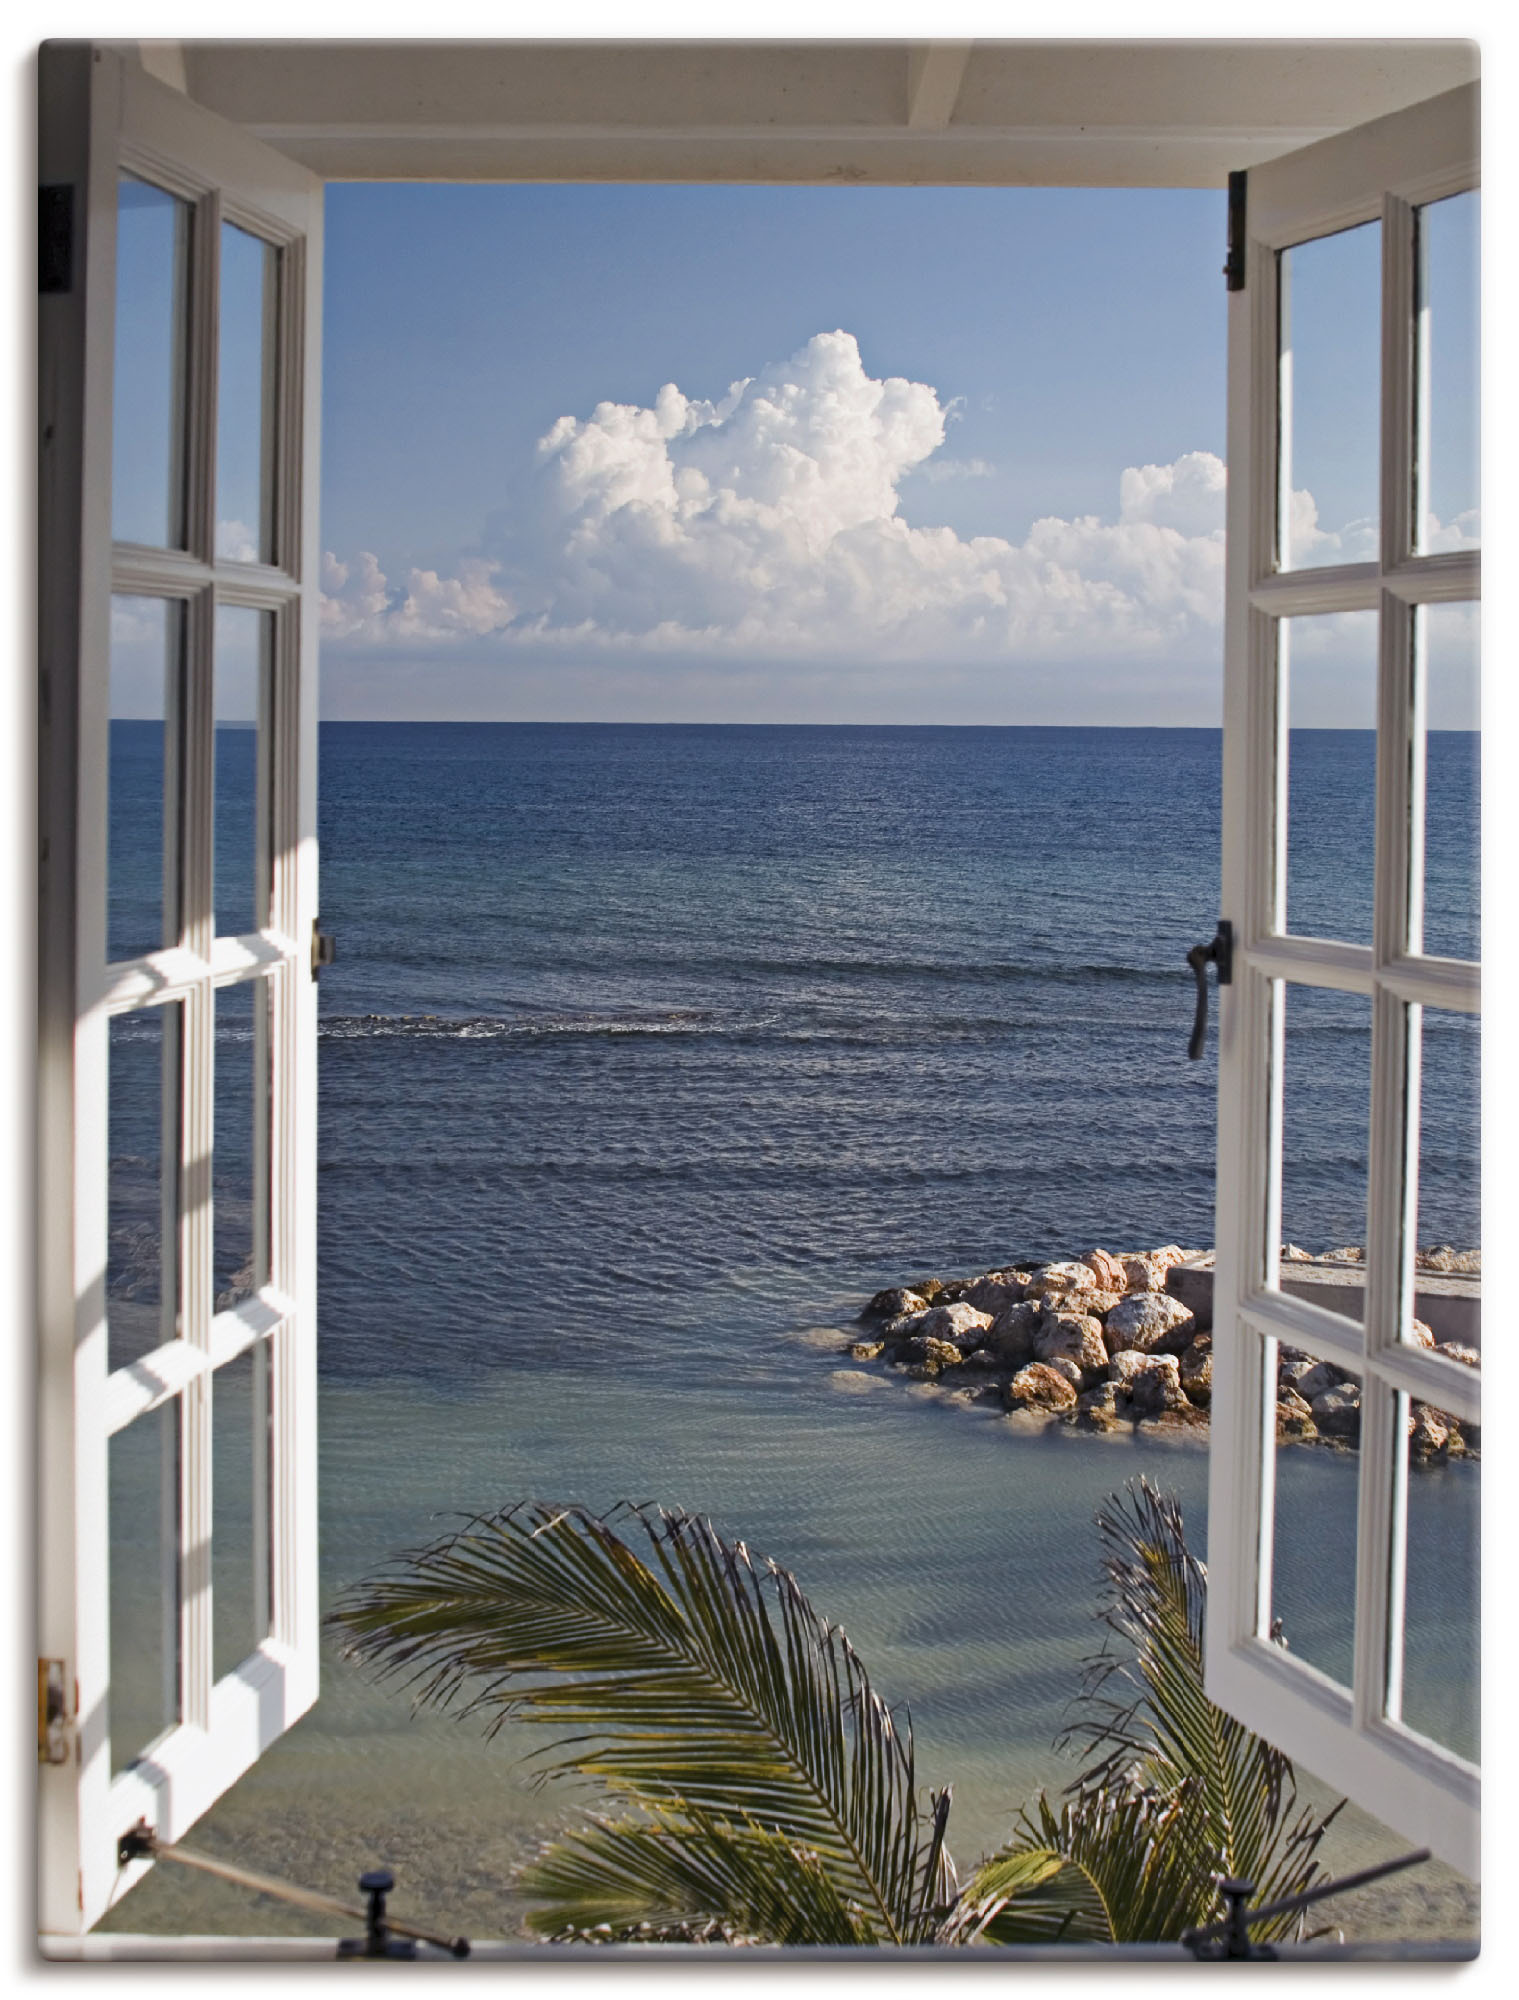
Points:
(935, 71)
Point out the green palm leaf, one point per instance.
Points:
(1160, 1729)
(1116, 1863)
(1177, 1793)
(671, 1874)
(686, 1674)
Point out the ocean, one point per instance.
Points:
(649, 1054)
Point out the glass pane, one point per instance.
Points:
(245, 398)
(1328, 683)
(244, 643)
(148, 398)
(1313, 1566)
(143, 1502)
(1331, 345)
(1451, 635)
(1326, 1098)
(1447, 1204)
(1448, 509)
(1442, 1598)
(141, 1234)
(147, 651)
(240, 1049)
(239, 1448)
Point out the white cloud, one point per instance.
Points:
(358, 602)
(937, 470)
(235, 542)
(766, 525)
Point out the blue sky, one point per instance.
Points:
(725, 453)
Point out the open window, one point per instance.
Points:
(1382, 196)
(178, 1618)
(177, 1444)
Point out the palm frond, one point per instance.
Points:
(1160, 1732)
(1115, 1863)
(685, 1673)
(677, 1872)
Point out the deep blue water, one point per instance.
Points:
(629, 1017)
(648, 1051)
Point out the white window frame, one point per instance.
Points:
(1380, 171)
(105, 116)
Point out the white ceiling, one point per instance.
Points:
(1072, 113)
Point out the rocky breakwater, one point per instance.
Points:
(1100, 1343)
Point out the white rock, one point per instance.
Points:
(1317, 1379)
(1072, 1337)
(1147, 1321)
(1067, 1277)
(961, 1325)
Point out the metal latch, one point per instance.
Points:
(52, 1714)
(1220, 953)
(1234, 268)
(324, 949)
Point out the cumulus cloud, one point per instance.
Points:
(937, 470)
(767, 524)
(359, 603)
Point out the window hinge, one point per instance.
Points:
(55, 238)
(54, 1724)
(324, 949)
(1234, 268)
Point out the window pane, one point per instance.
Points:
(1326, 1097)
(1328, 684)
(1442, 1599)
(1452, 782)
(147, 651)
(143, 1502)
(141, 1276)
(1449, 500)
(244, 643)
(1331, 345)
(245, 398)
(239, 1485)
(148, 397)
(1313, 1566)
(1447, 1202)
(240, 1049)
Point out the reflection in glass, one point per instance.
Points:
(148, 396)
(1445, 1052)
(1326, 1097)
(240, 1438)
(1442, 1598)
(1450, 638)
(141, 1279)
(245, 398)
(1331, 344)
(1328, 683)
(244, 640)
(241, 1047)
(1448, 473)
(143, 1504)
(1313, 1565)
(147, 650)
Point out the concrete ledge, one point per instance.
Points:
(1450, 1306)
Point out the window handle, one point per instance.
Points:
(324, 949)
(1221, 952)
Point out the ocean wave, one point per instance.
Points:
(491, 1028)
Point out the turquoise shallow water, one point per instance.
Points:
(960, 1558)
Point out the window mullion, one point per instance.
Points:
(196, 809)
(1389, 1274)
